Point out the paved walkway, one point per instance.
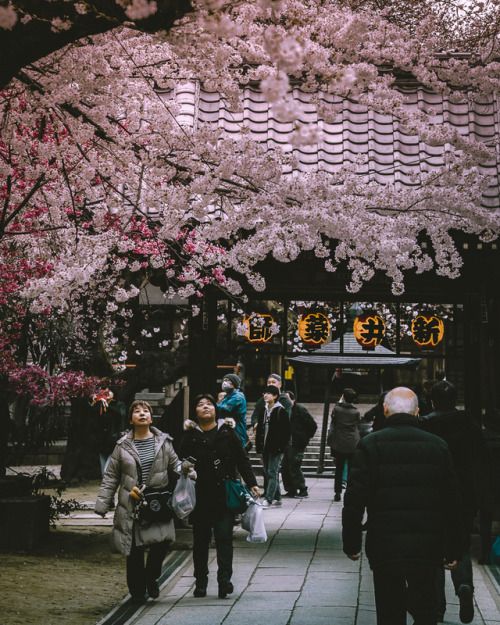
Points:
(300, 576)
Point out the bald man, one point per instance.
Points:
(404, 479)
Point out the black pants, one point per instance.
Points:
(222, 527)
(340, 459)
(291, 470)
(138, 575)
(402, 589)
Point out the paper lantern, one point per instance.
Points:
(369, 330)
(427, 330)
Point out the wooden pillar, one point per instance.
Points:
(326, 413)
(472, 356)
(202, 366)
(489, 346)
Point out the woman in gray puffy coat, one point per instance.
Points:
(143, 456)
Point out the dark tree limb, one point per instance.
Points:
(28, 42)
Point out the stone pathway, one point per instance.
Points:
(300, 576)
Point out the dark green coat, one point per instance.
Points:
(404, 479)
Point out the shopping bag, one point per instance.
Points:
(253, 522)
(495, 552)
(237, 496)
(184, 497)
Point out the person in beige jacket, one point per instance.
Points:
(142, 456)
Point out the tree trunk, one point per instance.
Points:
(5, 429)
(81, 461)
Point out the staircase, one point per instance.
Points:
(311, 454)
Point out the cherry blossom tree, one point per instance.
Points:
(105, 186)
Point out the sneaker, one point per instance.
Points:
(465, 595)
(290, 494)
(265, 504)
(336, 498)
(200, 592)
(277, 504)
(138, 599)
(302, 494)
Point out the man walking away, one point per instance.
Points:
(470, 459)
(343, 435)
(302, 427)
(404, 479)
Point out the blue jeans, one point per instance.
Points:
(271, 466)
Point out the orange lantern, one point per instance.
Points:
(314, 328)
(369, 330)
(427, 330)
(258, 328)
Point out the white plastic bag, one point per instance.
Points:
(253, 522)
(184, 497)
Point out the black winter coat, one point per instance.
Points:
(228, 448)
(404, 478)
(302, 427)
(343, 435)
(278, 435)
(468, 450)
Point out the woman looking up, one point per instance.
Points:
(143, 456)
(218, 454)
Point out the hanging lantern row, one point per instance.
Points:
(368, 328)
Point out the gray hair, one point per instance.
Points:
(401, 400)
(275, 376)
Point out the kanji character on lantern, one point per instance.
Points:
(259, 328)
(427, 330)
(314, 328)
(369, 330)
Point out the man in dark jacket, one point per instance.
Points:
(302, 428)
(271, 440)
(404, 479)
(260, 405)
(469, 453)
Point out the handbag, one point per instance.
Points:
(237, 496)
(155, 506)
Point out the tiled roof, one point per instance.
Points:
(392, 155)
(353, 355)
